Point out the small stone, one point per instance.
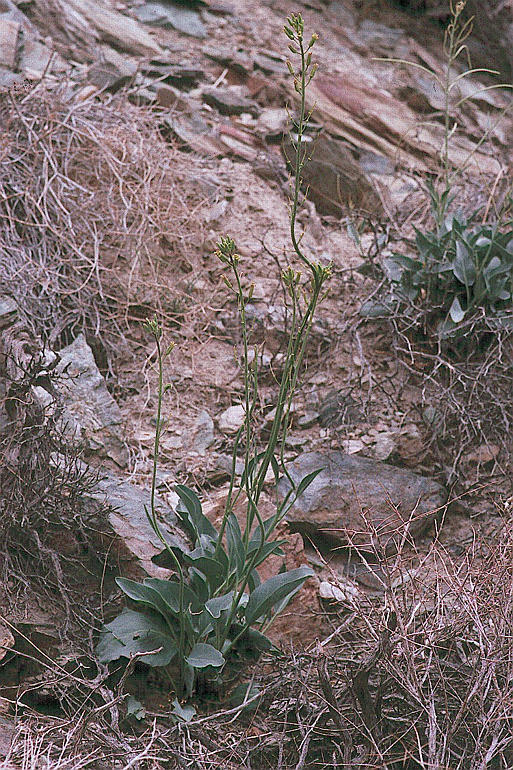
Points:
(384, 447)
(112, 71)
(307, 419)
(230, 101)
(167, 96)
(170, 443)
(273, 121)
(85, 93)
(264, 359)
(222, 469)
(203, 433)
(295, 442)
(231, 419)
(8, 310)
(483, 455)
(214, 214)
(342, 593)
(141, 97)
(353, 445)
(271, 414)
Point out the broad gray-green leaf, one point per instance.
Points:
(199, 584)
(202, 624)
(272, 548)
(266, 549)
(445, 328)
(144, 594)
(191, 513)
(253, 580)
(495, 267)
(456, 311)
(134, 708)
(375, 309)
(183, 713)
(204, 655)
(244, 693)
(169, 590)
(163, 595)
(213, 569)
(219, 604)
(267, 594)
(133, 632)
(463, 266)
(234, 543)
(393, 270)
(256, 537)
(252, 639)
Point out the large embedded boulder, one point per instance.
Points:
(361, 501)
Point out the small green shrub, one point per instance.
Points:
(461, 276)
(195, 620)
(190, 623)
(463, 270)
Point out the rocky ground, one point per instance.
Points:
(133, 136)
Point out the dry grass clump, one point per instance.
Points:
(94, 207)
(466, 397)
(436, 689)
(422, 679)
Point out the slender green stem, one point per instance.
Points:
(153, 513)
(298, 337)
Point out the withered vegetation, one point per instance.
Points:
(90, 208)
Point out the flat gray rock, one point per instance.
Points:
(128, 519)
(203, 433)
(230, 101)
(162, 14)
(354, 499)
(90, 412)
